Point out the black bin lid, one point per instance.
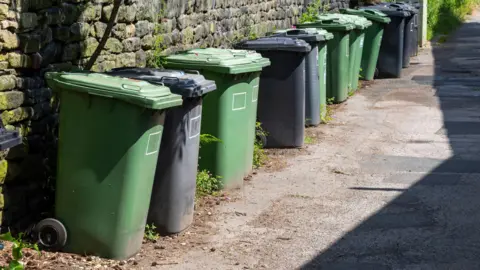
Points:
(389, 10)
(275, 44)
(185, 83)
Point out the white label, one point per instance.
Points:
(361, 41)
(194, 127)
(239, 101)
(153, 143)
(255, 93)
(348, 46)
(325, 67)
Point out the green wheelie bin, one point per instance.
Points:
(373, 39)
(338, 54)
(315, 73)
(229, 113)
(110, 131)
(357, 38)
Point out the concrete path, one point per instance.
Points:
(393, 183)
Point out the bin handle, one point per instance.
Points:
(293, 32)
(191, 71)
(168, 77)
(369, 11)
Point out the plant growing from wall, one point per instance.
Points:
(160, 44)
(315, 8)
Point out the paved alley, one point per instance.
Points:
(393, 182)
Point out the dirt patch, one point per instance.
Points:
(167, 250)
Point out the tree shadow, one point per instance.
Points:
(434, 223)
(37, 36)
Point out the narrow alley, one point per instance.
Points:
(392, 183)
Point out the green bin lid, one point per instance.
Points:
(371, 14)
(358, 21)
(307, 34)
(329, 23)
(140, 93)
(226, 61)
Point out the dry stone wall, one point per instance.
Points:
(41, 35)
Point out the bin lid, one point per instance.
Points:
(227, 61)
(275, 44)
(370, 14)
(181, 83)
(359, 21)
(310, 35)
(136, 92)
(389, 10)
(329, 23)
(406, 6)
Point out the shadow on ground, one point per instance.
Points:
(434, 224)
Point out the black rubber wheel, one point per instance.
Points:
(51, 234)
(261, 138)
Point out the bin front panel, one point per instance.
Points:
(173, 196)
(227, 115)
(108, 152)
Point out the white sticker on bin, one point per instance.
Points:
(239, 101)
(255, 93)
(194, 127)
(153, 143)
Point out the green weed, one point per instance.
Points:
(313, 10)
(331, 101)
(309, 140)
(207, 184)
(151, 233)
(327, 117)
(207, 139)
(19, 244)
(259, 156)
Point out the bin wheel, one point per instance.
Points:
(377, 73)
(51, 234)
(261, 138)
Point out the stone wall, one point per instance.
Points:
(41, 35)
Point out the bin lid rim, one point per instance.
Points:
(185, 83)
(276, 43)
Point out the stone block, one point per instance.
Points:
(28, 21)
(143, 28)
(19, 60)
(52, 16)
(148, 42)
(16, 115)
(114, 45)
(79, 31)
(88, 46)
(9, 40)
(140, 59)
(30, 43)
(11, 100)
(61, 33)
(91, 12)
(100, 29)
(125, 60)
(34, 96)
(7, 82)
(132, 44)
(71, 52)
(3, 11)
(9, 25)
